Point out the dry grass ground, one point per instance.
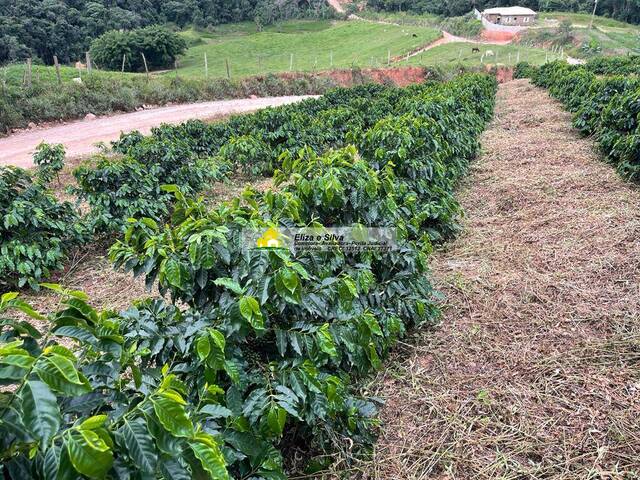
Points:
(535, 370)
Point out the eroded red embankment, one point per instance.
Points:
(498, 36)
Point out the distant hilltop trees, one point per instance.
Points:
(624, 10)
(66, 28)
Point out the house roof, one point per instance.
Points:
(509, 11)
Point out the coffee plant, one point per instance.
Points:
(49, 160)
(36, 230)
(606, 107)
(260, 350)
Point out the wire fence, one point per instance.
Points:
(27, 74)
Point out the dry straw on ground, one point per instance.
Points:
(534, 372)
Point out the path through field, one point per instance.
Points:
(535, 371)
(79, 137)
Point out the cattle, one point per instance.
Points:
(475, 50)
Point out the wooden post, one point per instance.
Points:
(291, 63)
(518, 57)
(146, 68)
(29, 72)
(331, 58)
(88, 60)
(175, 65)
(595, 5)
(259, 64)
(206, 66)
(226, 61)
(124, 57)
(509, 61)
(57, 65)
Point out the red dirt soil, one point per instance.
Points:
(498, 36)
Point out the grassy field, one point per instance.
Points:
(611, 36)
(583, 19)
(460, 53)
(300, 46)
(15, 74)
(403, 18)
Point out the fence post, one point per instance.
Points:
(331, 58)
(206, 66)
(518, 57)
(87, 56)
(388, 57)
(226, 61)
(124, 57)
(146, 68)
(291, 62)
(175, 66)
(29, 72)
(57, 65)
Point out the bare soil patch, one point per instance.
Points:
(535, 370)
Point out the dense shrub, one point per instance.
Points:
(159, 45)
(524, 70)
(36, 230)
(464, 26)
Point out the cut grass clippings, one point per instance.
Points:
(535, 371)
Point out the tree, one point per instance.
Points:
(159, 45)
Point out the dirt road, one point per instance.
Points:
(534, 372)
(79, 137)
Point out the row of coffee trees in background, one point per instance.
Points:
(604, 97)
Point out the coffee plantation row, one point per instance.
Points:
(190, 156)
(268, 349)
(605, 101)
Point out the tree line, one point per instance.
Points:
(66, 28)
(624, 10)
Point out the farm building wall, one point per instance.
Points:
(522, 20)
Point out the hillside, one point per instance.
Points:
(301, 46)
